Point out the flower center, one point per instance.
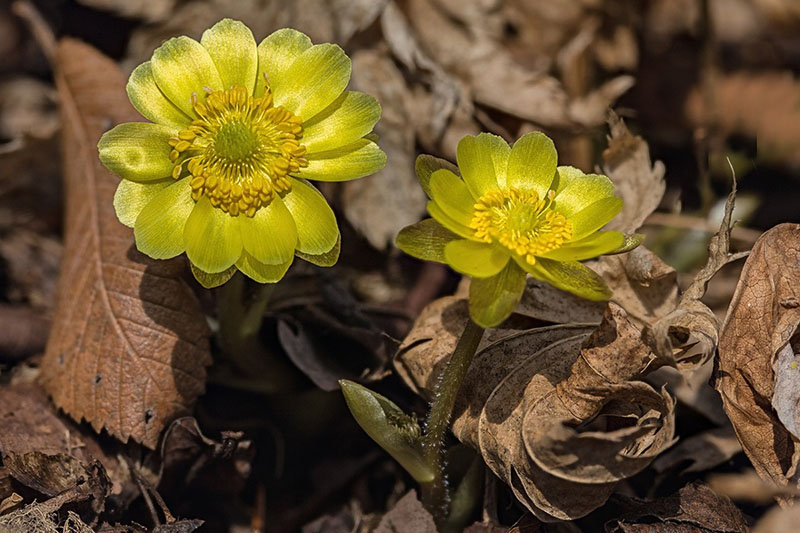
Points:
(239, 151)
(518, 220)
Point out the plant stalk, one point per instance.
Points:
(435, 495)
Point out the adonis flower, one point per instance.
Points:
(237, 130)
(509, 212)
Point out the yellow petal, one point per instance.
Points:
(532, 163)
(596, 244)
(492, 300)
(452, 195)
(131, 197)
(261, 272)
(271, 235)
(444, 219)
(182, 67)
(565, 176)
(476, 163)
(349, 118)
(211, 236)
(137, 151)
(276, 53)
(317, 230)
(159, 227)
(315, 79)
(327, 259)
(353, 161)
(233, 49)
(210, 281)
(476, 259)
(426, 165)
(595, 216)
(148, 99)
(570, 276)
(582, 192)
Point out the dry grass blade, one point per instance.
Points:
(129, 344)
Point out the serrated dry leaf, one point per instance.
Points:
(756, 382)
(529, 396)
(639, 182)
(129, 344)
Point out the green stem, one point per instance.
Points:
(435, 494)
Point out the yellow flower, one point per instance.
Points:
(512, 211)
(237, 130)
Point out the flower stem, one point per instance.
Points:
(435, 495)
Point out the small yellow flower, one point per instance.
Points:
(512, 211)
(237, 130)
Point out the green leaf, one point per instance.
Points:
(389, 426)
(492, 300)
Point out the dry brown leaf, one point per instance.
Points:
(552, 410)
(701, 452)
(407, 515)
(748, 486)
(379, 207)
(778, 519)
(639, 182)
(693, 509)
(129, 343)
(757, 374)
(688, 336)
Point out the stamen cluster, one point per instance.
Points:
(239, 150)
(520, 221)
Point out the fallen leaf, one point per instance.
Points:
(778, 519)
(555, 411)
(24, 332)
(639, 182)
(698, 453)
(129, 343)
(694, 508)
(379, 207)
(748, 486)
(179, 526)
(757, 376)
(407, 515)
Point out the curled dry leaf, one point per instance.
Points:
(129, 343)
(637, 181)
(555, 411)
(757, 375)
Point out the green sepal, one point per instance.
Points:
(392, 429)
(425, 240)
(210, 281)
(492, 300)
(426, 165)
(632, 240)
(328, 259)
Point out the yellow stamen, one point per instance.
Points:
(519, 221)
(239, 151)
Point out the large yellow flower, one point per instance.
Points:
(237, 130)
(504, 212)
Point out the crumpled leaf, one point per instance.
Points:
(688, 336)
(694, 508)
(637, 181)
(129, 343)
(778, 519)
(700, 452)
(555, 411)
(757, 374)
(391, 199)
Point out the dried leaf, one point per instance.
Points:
(129, 343)
(778, 519)
(637, 181)
(24, 332)
(748, 486)
(391, 199)
(688, 336)
(701, 452)
(407, 515)
(757, 374)
(695, 508)
(553, 410)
